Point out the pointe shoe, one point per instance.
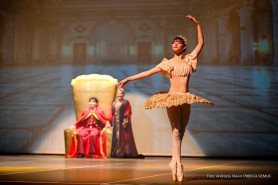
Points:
(180, 173)
(173, 168)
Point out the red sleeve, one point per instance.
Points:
(127, 109)
(110, 116)
(101, 116)
(82, 117)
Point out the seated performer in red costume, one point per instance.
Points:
(87, 140)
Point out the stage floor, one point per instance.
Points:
(55, 169)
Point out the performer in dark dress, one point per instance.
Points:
(123, 144)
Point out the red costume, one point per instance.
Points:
(88, 139)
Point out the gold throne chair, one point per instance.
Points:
(101, 86)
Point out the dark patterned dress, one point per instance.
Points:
(123, 144)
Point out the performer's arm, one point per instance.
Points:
(139, 76)
(82, 117)
(103, 119)
(199, 34)
(127, 114)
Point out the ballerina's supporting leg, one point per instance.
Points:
(178, 117)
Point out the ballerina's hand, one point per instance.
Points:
(193, 19)
(122, 83)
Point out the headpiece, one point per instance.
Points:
(183, 38)
(121, 90)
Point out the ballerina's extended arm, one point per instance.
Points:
(139, 76)
(199, 34)
(157, 69)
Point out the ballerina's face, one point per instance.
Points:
(178, 46)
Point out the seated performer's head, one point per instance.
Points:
(93, 102)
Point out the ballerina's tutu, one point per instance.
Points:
(168, 99)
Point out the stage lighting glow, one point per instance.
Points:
(260, 79)
(158, 50)
(67, 51)
(132, 51)
(90, 50)
(262, 46)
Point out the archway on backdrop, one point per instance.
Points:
(112, 43)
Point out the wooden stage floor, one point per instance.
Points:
(55, 169)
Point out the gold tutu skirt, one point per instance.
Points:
(169, 99)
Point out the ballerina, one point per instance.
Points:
(178, 99)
